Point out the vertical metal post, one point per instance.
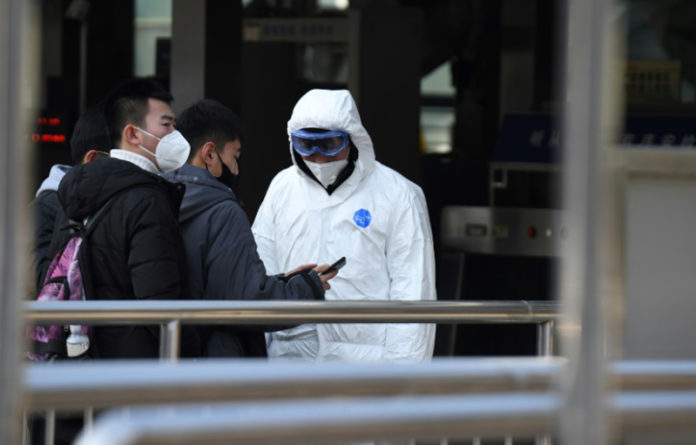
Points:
(584, 284)
(25, 429)
(18, 57)
(461, 265)
(50, 427)
(88, 418)
(164, 339)
(544, 349)
(170, 335)
(545, 339)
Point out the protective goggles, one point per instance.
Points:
(328, 143)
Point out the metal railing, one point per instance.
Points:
(170, 315)
(326, 420)
(448, 397)
(374, 394)
(420, 417)
(70, 385)
(124, 383)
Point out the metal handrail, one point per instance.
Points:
(419, 417)
(107, 384)
(323, 420)
(292, 312)
(171, 314)
(117, 383)
(102, 384)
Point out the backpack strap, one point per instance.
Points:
(91, 222)
(85, 229)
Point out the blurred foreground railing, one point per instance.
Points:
(446, 398)
(133, 382)
(170, 315)
(70, 385)
(455, 398)
(409, 417)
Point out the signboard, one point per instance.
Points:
(528, 138)
(536, 138)
(653, 81)
(298, 30)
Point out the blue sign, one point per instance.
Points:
(660, 132)
(536, 137)
(527, 138)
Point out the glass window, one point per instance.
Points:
(437, 115)
(153, 24)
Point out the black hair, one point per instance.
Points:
(208, 120)
(90, 133)
(128, 104)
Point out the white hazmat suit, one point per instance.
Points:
(376, 218)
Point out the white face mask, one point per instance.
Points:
(172, 150)
(326, 172)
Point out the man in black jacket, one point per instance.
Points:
(135, 251)
(89, 139)
(221, 252)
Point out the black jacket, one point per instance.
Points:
(223, 261)
(135, 251)
(46, 208)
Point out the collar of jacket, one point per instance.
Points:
(87, 187)
(190, 174)
(136, 159)
(203, 190)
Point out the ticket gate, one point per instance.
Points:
(491, 253)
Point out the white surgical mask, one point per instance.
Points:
(172, 150)
(326, 172)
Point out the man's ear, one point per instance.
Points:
(208, 153)
(90, 156)
(130, 135)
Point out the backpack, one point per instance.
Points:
(65, 279)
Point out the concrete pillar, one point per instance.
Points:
(206, 52)
(385, 74)
(19, 33)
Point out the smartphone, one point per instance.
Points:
(335, 266)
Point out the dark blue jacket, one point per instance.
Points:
(222, 258)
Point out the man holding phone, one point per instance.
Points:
(220, 252)
(336, 200)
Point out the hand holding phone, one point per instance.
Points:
(335, 266)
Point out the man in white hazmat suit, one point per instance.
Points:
(337, 200)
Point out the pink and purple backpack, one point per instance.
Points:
(65, 281)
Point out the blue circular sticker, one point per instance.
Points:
(362, 218)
